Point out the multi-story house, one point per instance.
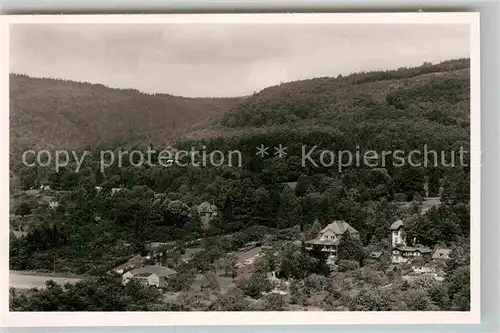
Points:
(401, 252)
(329, 237)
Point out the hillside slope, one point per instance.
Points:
(60, 114)
(406, 108)
(361, 94)
(403, 109)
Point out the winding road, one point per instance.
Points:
(24, 280)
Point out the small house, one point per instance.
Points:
(441, 255)
(423, 269)
(404, 253)
(157, 276)
(329, 237)
(19, 234)
(398, 237)
(207, 213)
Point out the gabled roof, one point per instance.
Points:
(396, 225)
(19, 234)
(339, 227)
(158, 270)
(133, 262)
(442, 254)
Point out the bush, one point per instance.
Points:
(256, 285)
(347, 265)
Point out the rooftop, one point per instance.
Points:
(206, 207)
(133, 262)
(19, 234)
(160, 271)
(396, 225)
(442, 254)
(292, 185)
(375, 254)
(339, 227)
(48, 198)
(421, 249)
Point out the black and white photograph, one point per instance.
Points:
(315, 164)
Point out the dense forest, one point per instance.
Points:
(60, 114)
(92, 231)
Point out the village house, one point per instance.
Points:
(19, 234)
(150, 275)
(329, 237)
(375, 254)
(207, 213)
(397, 236)
(136, 261)
(405, 253)
(441, 255)
(292, 185)
(51, 201)
(401, 252)
(115, 190)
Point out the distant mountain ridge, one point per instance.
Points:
(422, 101)
(433, 98)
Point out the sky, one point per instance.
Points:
(224, 60)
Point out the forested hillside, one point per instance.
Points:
(60, 114)
(93, 228)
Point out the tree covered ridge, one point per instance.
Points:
(61, 114)
(92, 231)
(354, 96)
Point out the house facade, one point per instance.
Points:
(157, 276)
(401, 252)
(329, 237)
(398, 238)
(405, 253)
(207, 213)
(441, 256)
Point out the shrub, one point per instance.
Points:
(347, 265)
